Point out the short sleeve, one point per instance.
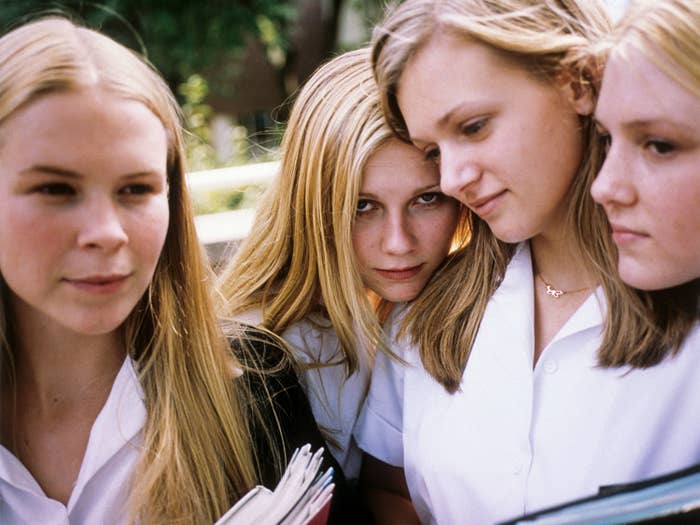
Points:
(379, 429)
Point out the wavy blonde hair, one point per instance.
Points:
(548, 38)
(196, 457)
(299, 257)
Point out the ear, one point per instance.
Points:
(577, 90)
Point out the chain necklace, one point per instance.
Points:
(556, 293)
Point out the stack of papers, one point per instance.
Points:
(302, 497)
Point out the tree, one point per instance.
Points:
(180, 37)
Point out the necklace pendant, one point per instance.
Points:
(554, 292)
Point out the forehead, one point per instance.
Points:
(402, 163)
(451, 71)
(89, 130)
(634, 88)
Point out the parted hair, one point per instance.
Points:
(550, 39)
(299, 257)
(196, 456)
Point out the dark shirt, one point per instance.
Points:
(272, 376)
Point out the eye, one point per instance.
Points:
(137, 189)
(430, 198)
(364, 206)
(432, 154)
(474, 127)
(55, 189)
(660, 147)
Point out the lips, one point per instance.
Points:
(400, 274)
(623, 235)
(484, 205)
(99, 284)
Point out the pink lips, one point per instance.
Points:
(622, 235)
(100, 284)
(486, 205)
(400, 274)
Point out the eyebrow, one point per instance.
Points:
(425, 189)
(645, 123)
(51, 170)
(61, 172)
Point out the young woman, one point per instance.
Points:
(530, 365)
(354, 210)
(650, 182)
(121, 401)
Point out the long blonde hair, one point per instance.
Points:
(667, 32)
(196, 457)
(298, 258)
(547, 38)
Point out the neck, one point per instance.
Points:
(558, 261)
(54, 365)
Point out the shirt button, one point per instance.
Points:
(550, 366)
(518, 469)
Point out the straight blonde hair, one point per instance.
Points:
(549, 39)
(196, 457)
(667, 32)
(299, 258)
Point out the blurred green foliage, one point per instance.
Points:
(180, 37)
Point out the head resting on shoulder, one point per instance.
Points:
(546, 38)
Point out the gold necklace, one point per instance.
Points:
(556, 293)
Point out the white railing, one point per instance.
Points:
(228, 226)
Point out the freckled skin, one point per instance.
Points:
(404, 224)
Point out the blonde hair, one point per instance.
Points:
(549, 39)
(196, 455)
(299, 256)
(667, 32)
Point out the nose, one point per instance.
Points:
(457, 172)
(101, 225)
(613, 185)
(398, 237)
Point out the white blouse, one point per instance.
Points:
(101, 489)
(512, 439)
(335, 398)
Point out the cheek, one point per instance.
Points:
(439, 230)
(364, 244)
(29, 235)
(149, 230)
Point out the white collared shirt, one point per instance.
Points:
(335, 398)
(101, 489)
(513, 439)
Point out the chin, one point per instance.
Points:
(397, 296)
(650, 279)
(510, 233)
(98, 326)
